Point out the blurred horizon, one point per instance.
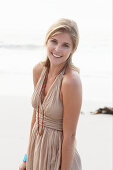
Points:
(28, 21)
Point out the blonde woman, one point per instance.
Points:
(57, 100)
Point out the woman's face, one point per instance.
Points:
(59, 48)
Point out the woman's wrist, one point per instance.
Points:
(25, 158)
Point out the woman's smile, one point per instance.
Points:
(56, 56)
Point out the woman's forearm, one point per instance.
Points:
(67, 153)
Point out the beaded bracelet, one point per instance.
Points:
(25, 158)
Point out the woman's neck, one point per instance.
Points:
(55, 70)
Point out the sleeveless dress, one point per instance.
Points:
(44, 152)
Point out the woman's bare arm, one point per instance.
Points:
(36, 74)
(72, 100)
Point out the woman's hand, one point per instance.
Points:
(22, 166)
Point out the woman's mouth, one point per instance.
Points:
(57, 56)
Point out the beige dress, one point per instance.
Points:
(44, 152)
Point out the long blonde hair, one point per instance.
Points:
(68, 26)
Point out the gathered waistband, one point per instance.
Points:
(50, 123)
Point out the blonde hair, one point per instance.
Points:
(68, 26)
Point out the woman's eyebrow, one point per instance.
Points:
(53, 38)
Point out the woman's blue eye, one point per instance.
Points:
(53, 40)
(65, 45)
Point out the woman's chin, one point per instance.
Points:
(55, 60)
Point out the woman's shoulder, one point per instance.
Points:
(71, 83)
(37, 69)
(71, 78)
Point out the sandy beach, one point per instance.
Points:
(94, 134)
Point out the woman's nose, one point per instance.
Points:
(58, 48)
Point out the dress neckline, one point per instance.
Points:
(52, 85)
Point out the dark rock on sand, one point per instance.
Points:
(105, 110)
